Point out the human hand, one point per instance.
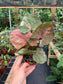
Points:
(21, 71)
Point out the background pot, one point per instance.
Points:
(4, 51)
(2, 69)
(0, 51)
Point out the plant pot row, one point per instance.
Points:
(6, 51)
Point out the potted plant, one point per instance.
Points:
(11, 49)
(0, 50)
(30, 38)
(4, 41)
(4, 61)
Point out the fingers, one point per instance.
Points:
(17, 65)
(19, 61)
(24, 65)
(30, 69)
(24, 81)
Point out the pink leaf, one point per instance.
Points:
(18, 39)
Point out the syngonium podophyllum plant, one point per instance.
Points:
(30, 38)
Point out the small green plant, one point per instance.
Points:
(5, 58)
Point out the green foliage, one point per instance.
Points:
(4, 18)
(59, 39)
(51, 78)
(57, 69)
(5, 62)
(1, 57)
(25, 51)
(44, 14)
(60, 63)
(4, 39)
(5, 57)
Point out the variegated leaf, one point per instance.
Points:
(31, 21)
(40, 56)
(44, 31)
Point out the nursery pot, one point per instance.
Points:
(2, 69)
(4, 51)
(8, 61)
(12, 51)
(0, 51)
(29, 58)
(3, 47)
(7, 48)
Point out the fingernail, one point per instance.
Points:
(28, 62)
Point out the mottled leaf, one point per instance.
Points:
(24, 29)
(44, 31)
(40, 56)
(33, 41)
(31, 21)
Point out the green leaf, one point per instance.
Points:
(2, 56)
(60, 63)
(57, 48)
(58, 44)
(25, 51)
(40, 56)
(9, 50)
(6, 63)
(61, 56)
(24, 29)
(55, 70)
(51, 78)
